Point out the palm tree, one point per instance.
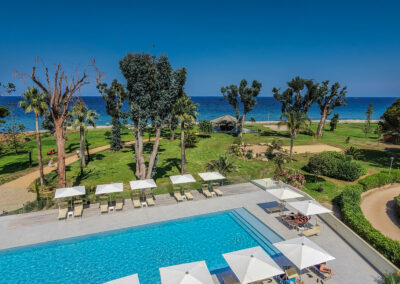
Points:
(36, 102)
(82, 117)
(223, 164)
(295, 122)
(185, 111)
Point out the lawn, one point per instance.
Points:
(107, 167)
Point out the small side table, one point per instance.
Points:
(70, 214)
(111, 209)
(213, 194)
(144, 204)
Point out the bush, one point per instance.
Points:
(290, 176)
(379, 179)
(392, 278)
(335, 165)
(354, 218)
(190, 139)
(206, 126)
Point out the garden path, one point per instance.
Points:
(378, 206)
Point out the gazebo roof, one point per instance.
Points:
(224, 119)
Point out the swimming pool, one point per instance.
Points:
(106, 256)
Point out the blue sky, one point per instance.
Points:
(219, 42)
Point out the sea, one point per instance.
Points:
(267, 109)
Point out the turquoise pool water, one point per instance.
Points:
(143, 249)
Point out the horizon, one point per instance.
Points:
(219, 43)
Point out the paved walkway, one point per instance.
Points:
(15, 193)
(378, 206)
(25, 229)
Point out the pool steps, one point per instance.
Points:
(259, 231)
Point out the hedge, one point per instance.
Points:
(355, 219)
(398, 205)
(335, 165)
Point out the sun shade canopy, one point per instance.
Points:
(187, 273)
(302, 252)
(131, 279)
(208, 176)
(308, 207)
(284, 193)
(266, 183)
(69, 191)
(252, 264)
(109, 188)
(182, 179)
(142, 184)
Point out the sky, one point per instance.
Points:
(356, 43)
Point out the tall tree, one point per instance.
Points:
(247, 97)
(59, 94)
(295, 121)
(186, 112)
(390, 120)
(369, 112)
(152, 92)
(82, 117)
(328, 100)
(298, 98)
(114, 98)
(35, 101)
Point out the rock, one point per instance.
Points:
(264, 159)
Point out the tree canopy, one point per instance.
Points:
(391, 118)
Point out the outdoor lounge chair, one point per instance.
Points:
(62, 211)
(136, 202)
(218, 191)
(78, 208)
(119, 204)
(150, 200)
(280, 207)
(188, 195)
(323, 275)
(313, 231)
(178, 196)
(206, 192)
(104, 206)
(230, 280)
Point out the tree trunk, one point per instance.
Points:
(82, 144)
(241, 125)
(60, 140)
(292, 136)
(153, 153)
(136, 134)
(183, 154)
(321, 122)
(39, 148)
(142, 164)
(172, 137)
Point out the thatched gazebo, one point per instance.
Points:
(225, 122)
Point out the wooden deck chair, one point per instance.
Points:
(218, 191)
(280, 207)
(119, 204)
(313, 231)
(62, 210)
(188, 195)
(104, 206)
(178, 196)
(78, 208)
(206, 193)
(136, 202)
(150, 200)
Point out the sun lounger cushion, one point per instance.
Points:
(178, 196)
(275, 208)
(188, 195)
(207, 193)
(218, 191)
(150, 201)
(119, 203)
(104, 207)
(313, 231)
(62, 213)
(78, 209)
(136, 203)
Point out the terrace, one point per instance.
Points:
(26, 229)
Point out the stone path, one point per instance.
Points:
(378, 206)
(15, 193)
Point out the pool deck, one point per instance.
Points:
(32, 228)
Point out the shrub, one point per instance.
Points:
(354, 218)
(249, 154)
(353, 152)
(379, 179)
(290, 176)
(335, 165)
(206, 126)
(223, 164)
(190, 139)
(392, 278)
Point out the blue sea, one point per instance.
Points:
(267, 108)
